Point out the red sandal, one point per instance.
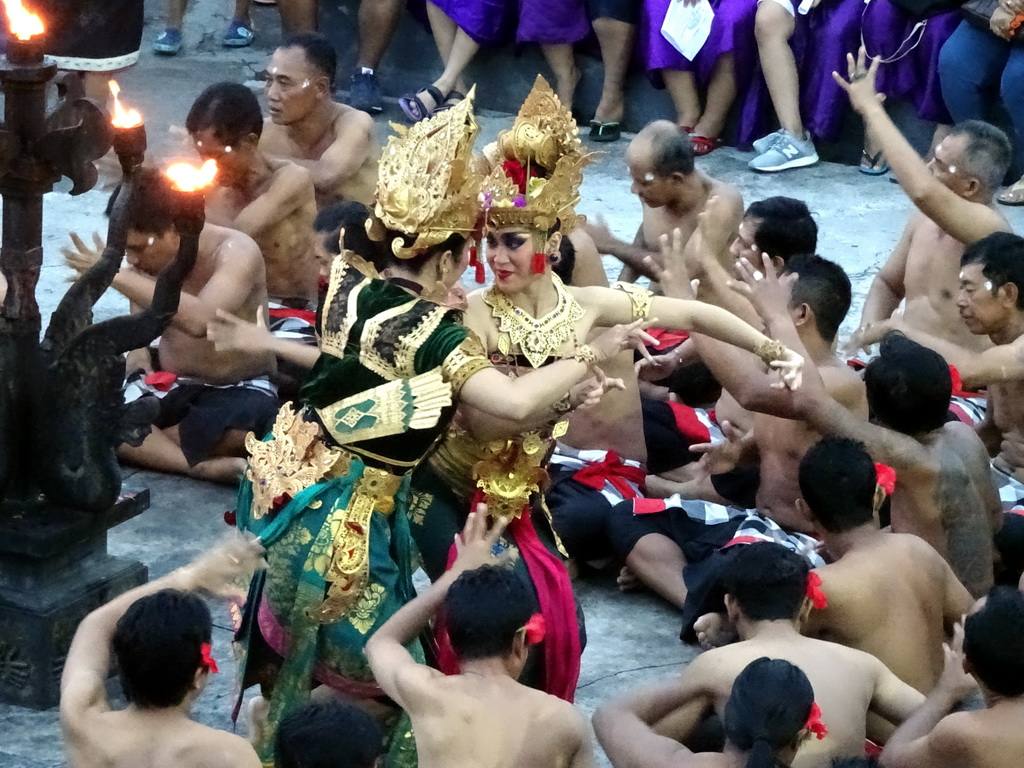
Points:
(703, 145)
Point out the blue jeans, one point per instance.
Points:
(973, 64)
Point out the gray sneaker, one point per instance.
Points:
(787, 152)
(763, 144)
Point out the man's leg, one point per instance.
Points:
(1012, 92)
(160, 452)
(175, 13)
(168, 42)
(616, 40)
(658, 562)
(455, 48)
(721, 94)
(298, 15)
(682, 88)
(567, 74)
(378, 20)
(773, 26)
(970, 65)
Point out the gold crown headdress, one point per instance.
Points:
(428, 186)
(537, 167)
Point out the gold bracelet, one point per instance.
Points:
(770, 350)
(586, 354)
(563, 406)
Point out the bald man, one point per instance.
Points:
(672, 192)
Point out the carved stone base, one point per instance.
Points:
(54, 569)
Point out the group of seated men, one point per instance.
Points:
(939, 464)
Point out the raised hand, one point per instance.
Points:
(589, 392)
(717, 458)
(622, 337)
(674, 278)
(861, 84)
(768, 294)
(216, 571)
(231, 334)
(954, 681)
(475, 545)
(81, 257)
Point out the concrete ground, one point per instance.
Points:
(632, 639)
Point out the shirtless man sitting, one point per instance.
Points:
(335, 142)
(160, 635)
(953, 194)
(991, 304)
(923, 597)
(943, 491)
(657, 538)
(993, 655)
(209, 399)
(766, 598)
(482, 717)
(672, 194)
(328, 733)
(270, 200)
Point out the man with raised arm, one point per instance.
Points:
(159, 634)
(209, 400)
(481, 717)
(953, 195)
(335, 142)
(767, 596)
(943, 492)
(989, 649)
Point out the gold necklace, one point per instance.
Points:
(538, 338)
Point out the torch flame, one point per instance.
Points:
(123, 118)
(24, 24)
(188, 178)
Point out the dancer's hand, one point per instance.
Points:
(622, 337)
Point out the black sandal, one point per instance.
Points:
(605, 131)
(414, 108)
(453, 98)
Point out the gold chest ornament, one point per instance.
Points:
(537, 338)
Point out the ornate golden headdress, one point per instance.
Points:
(428, 186)
(536, 167)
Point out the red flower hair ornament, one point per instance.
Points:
(885, 476)
(535, 629)
(814, 724)
(208, 662)
(818, 598)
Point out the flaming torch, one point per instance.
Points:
(129, 138)
(27, 29)
(188, 183)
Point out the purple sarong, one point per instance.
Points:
(915, 77)
(820, 43)
(491, 22)
(732, 31)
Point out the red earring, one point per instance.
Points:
(539, 260)
(478, 266)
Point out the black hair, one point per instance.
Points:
(861, 761)
(350, 216)
(157, 644)
(454, 243)
(484, 609)
(1001, 256)
(694, 384)
(671, 149)
(823, 286)
(994, 641)
(319, 51)
(908, 385)
(838, 481)
(328, 734)
(152, 206)
(566, 263)
(785, 227)
(988, 152)
(767, 580)
(1009, 543)
(770, 704)
(230, 109)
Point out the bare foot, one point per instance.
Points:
(226, 469)
(257, 716)
(610, 109)
(713, 631)
(628, 581)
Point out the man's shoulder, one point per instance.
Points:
(229, 246)
(206, 747)
(349, 119)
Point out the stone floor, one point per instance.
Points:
(632, 639)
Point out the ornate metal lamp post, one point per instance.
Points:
(62, 413)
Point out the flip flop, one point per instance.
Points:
(1014, 195)
(869, 164)
(453, 98)
(687, 129)
(413, 106)
(610, 131)
(704, 145)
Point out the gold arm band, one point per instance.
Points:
(640, 298)
(462, 362)
(586, 354)
(770, 350)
